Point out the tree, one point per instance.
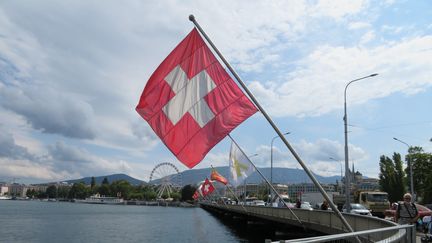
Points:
(51, 191)
(93, 182)
(187, 193)
(422, 172)
(391, 177)
(105, 181)
(104, 190)
(121, 188)
(79, 191)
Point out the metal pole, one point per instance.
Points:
(347, 177)
(271, 158)
(410, 167)
(291, 149)
(340, 163)
(268, 183)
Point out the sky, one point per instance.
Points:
(72, 72)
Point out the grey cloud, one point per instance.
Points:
(9, 149)
(62, 152)
(50, 111)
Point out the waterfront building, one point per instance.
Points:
(4, 189)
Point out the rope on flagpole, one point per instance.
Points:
(265, 179)
(278, 132)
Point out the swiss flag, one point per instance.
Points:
(196, 195)
(207, 187)
(191, 102)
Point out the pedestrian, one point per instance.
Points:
(324, 205)
(298, 204)
(406, 212)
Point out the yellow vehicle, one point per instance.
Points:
(376, 201)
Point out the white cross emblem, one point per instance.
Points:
(189, 96)
(206, 188)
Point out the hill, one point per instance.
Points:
(280, 175)
(111, 178)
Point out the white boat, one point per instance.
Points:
(98, 199)
(5, 198)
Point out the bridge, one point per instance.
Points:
(366, 228)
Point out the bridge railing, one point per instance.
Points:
(404, 233)
(326, 222)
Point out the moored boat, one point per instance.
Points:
(98, 199)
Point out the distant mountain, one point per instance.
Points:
(110, 178)
(195, 176)
(280, 175)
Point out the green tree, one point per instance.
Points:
(31, 193)
(121, 188)
(93, 182)
(391, 177)
(105, 181)
(63, 191)
(79, 191)
(422, 172)
(51, 191)
(187, 193)
(104, 190)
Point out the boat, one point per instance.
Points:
(98, 199)
(5, 198)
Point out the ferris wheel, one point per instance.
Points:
(166, 177)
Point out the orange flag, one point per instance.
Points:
(215, 176)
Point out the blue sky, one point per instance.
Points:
(71, 74)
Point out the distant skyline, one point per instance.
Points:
(71, 74)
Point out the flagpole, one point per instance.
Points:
(278, 132)
(238, 200)
(265, 179)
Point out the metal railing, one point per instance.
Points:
(403, 233)
(368, 229)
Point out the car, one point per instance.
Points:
(258, 203)
(423, 211)
(306, 206)
(357, 208)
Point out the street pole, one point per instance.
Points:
(271, 159)
(347, 178)
(244, 182)
(410, 168)
(340, 162)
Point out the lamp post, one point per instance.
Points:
(345, 118)
(244, 182)
(340, 162)
(271, 162)
(410, 168)
(271, 157)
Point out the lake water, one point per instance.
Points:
(34, 221)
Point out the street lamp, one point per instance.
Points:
(271, 157)
(410, 167)
(340, 162)
(244, 181)
(345, 118)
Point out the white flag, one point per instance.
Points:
(240, 166)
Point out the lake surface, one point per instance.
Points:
(34, 221)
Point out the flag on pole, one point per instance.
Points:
(240, 166)
(191, 102)
(207, 187)
(196, 195)
(215, 176)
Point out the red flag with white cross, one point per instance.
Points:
(207, 187)
(191, 102)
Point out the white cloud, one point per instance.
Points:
(325, 72)
(369, 36)
(359, 25)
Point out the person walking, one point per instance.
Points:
(406, 212)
